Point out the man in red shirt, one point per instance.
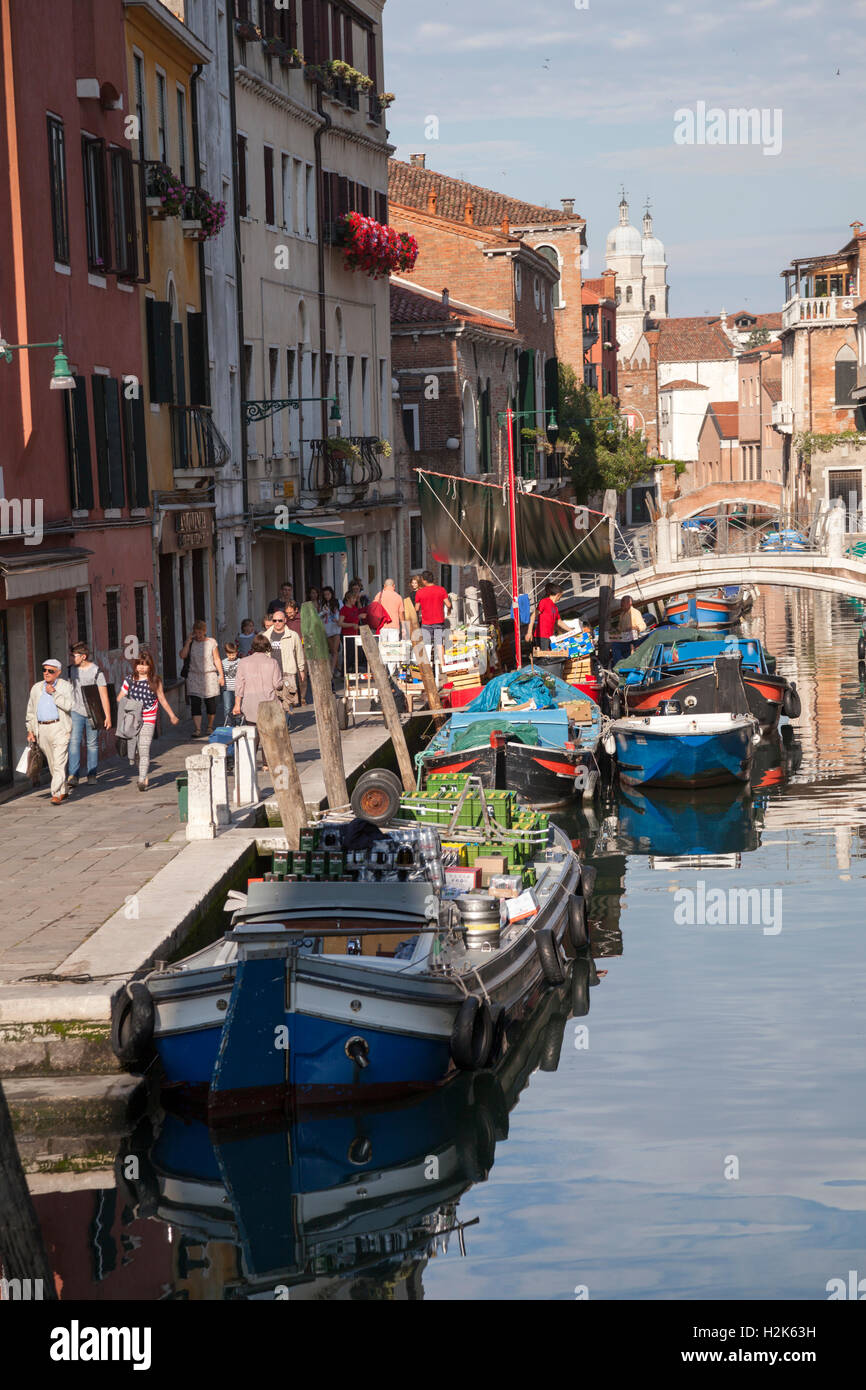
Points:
(548, 617)
(432, 603)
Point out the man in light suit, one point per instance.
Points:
(49, 723)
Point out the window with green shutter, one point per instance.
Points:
(78, 447)
(109, 440)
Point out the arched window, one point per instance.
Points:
(551, 254)
(652, 302)
(846, 374)
(628, 294)
(470, 431)
(518, 279)
(618, 295)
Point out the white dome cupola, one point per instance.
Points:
(624, 239)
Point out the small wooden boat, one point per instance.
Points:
(671, 750)
(545, 755)
(307, 994)
(709, 608)
(698, 676)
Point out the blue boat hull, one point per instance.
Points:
(649, 759)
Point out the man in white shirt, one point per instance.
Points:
(83, 672)
(288, 652)
(49, 723)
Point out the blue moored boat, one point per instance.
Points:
(676, 750)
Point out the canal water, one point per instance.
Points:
(697, 1132)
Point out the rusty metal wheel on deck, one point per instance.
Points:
(376, 796)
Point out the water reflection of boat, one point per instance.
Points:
(340, 1203)
(674, 823)
(775, 759)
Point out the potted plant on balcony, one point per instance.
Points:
(291, 59)
(383, 447)
(203, 216)
(166, 194)
(273, 46)
(344, 72)
(246, 31)
(385, 98)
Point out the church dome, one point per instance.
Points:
(623, 240)
(653, 250)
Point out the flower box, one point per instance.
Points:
(376, 249)
(192, 229)
(291, 59)
(156, 209)
(204, 216)
(274, 47)
(246, 32)
(164, 188)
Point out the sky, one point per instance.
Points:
(547, 99)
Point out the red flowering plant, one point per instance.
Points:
(374, 248)
(162, 183)
(201, 207)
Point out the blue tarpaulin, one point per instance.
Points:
(525, 684)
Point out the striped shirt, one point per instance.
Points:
(141, 691)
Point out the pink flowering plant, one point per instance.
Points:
(376, 249)
(201, 207)
(162, 183)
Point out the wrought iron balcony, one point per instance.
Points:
(196, 443)
(329, 469)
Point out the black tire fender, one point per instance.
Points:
(791, 702)
(497, 1021)
(376, 796)
(548, 956)
(580, 982)
(551, 1043)
(615, 705)
(472, 1034)
(132, 1020)
(578, 921)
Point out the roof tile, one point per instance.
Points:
(410, 185)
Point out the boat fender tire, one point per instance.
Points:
(591, 789)
(791, 702)
(580, 982)
(551, 1043)
(616, 710)
(472, 1034)
(548, 956)
(487, 1094)
(497, 1022)
(578, 924)
(376, 796)
(475, 1142)
(132, 1019)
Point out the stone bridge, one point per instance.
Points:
(664, 570)
(705, 499)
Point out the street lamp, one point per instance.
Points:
(507, 418)
(62, 379)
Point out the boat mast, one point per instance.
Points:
(512, 519)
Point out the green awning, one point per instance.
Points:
(324, 542)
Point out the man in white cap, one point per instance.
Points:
(49, 723)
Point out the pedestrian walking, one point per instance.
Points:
(259, 677)
(230, 670)
(245, 637)
(205, 679)
(287, 649)
(285, 596)
(392, 602)
(144, 687)
(329, 612)
(432, 603)
(82, 673)
(293, 624)
(49, 723)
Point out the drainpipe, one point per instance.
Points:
(320, 250)
(239, 280)
(202, 295)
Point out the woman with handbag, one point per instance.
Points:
(205, 675)
(145, 688)
(259, 678)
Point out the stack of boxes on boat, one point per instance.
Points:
(464, 665)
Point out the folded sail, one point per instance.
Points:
(465, 521)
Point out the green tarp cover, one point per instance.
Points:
(480, 732)
(464, 520)
(642, 656)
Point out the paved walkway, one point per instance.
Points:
(66, 869)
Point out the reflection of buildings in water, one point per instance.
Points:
(349, 1204)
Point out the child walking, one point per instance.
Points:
(230, 667)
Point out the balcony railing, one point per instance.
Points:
(827, 307)
(196, 443)
(328, 470)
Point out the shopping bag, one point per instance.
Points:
(35, 763)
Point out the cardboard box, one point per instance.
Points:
(505, 885)
(521, 908)
(579, 711)
(464, 880)
(490, 864)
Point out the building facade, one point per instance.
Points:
(75, 549)
(599, 334)
(819, 381)
(310, 147)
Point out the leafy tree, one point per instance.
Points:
(757, 338)
(599, 448)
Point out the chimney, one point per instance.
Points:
(445, 301)
(431, 199)
(417, 160)
(468, 212)
(506, 226)
(568, 206)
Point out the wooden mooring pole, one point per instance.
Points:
(419, 656)
(382, 682)
(271, 724)
(325, 706)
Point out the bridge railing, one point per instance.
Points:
(731, 535)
